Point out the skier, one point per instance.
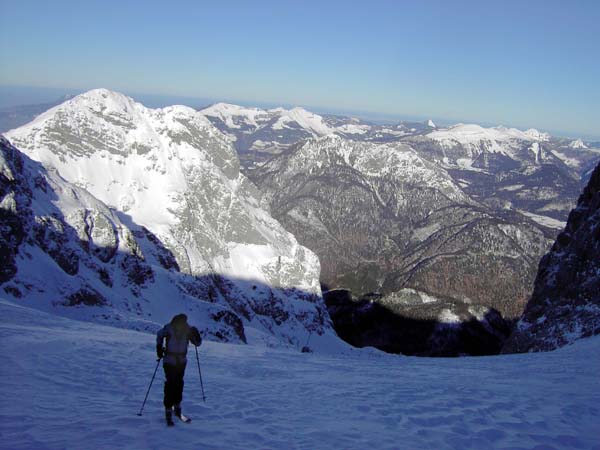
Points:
(177, 334)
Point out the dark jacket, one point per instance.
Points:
(177, 339)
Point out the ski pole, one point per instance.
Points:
(200, 373)
(151, 381)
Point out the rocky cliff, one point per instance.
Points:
(565, 305)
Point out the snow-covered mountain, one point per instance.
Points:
(65, 251)
(530, 170)
(565, 305)
(578, 143)
(507, 168)
(171, 172)
(388, 208)
(258, 133)
(385, 220)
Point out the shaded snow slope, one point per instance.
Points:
(67, 384)
(172, 172)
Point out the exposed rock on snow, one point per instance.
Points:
(565, 305)
(413, 322)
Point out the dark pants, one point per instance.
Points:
(173, 384)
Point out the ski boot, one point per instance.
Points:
(169, 417)
(180, 415)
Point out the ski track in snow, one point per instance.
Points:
(76, 385)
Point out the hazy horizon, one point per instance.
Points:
(13, 96)
(525, 64)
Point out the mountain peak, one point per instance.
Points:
(472, 133)
(103, 95)
(578, 144)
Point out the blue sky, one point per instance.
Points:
(520, 63)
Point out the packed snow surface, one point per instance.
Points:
(75, 385)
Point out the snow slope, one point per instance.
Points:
(74, 385)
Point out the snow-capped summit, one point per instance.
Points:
(171, 171)
(264, 131)
(577, 143)
(537, 135)
(472, 133)
(431, 124)
(235, 116)
(305, 119)
(248, 120)
(466, 143)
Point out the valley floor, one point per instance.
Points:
(75, 385)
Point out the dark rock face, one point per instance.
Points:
(416, 329)
(15, 202)
(233, 329)
(52, 236)
(87, 297)
(565, 305)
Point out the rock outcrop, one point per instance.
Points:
(565, 305)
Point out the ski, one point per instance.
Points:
(184, 419)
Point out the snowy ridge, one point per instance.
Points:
(171, 171)
(497, 139)
(307, 120)
(227, 112)
(396, 161)
(236, 117)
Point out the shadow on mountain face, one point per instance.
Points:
(126, 276)
(365, 322)
(121, 273)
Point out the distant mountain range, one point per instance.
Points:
(416, 223)
(428, 239)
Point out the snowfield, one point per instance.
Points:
(75, 385)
